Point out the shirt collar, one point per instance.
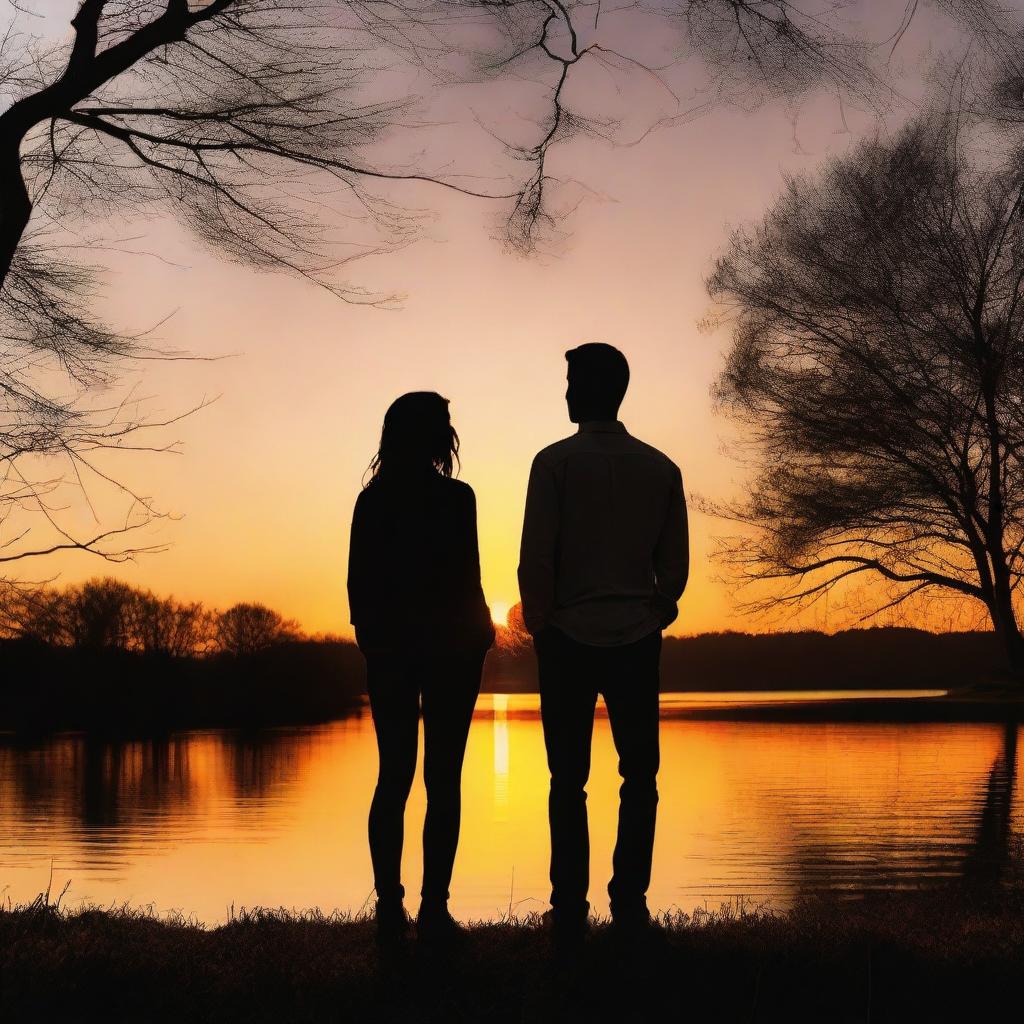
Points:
(602, 427)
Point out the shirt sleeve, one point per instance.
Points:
(537, 551)
(672, 554)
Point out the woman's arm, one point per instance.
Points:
(363, 583)
(478, 612)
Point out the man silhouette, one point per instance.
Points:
(603, 563)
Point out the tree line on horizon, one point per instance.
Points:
(108, 656)
(109, 615)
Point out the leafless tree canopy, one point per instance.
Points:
(878, 366)
(247, 117)
(297, 137)
(246, 628)
(106, 614)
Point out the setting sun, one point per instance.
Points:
(499, 612)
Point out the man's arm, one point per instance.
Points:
(672, 554)
(537, 551)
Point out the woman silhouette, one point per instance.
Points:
(423, 625)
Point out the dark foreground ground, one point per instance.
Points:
(916, 958)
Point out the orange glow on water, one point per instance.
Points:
(764, 811)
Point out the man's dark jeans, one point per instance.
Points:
(571, 676)
(448, 687)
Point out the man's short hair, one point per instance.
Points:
(600, 371)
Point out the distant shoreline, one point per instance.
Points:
(878, 658)
(955, 707)
(47, 688)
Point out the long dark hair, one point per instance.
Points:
(417, 437)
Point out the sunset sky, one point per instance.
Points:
(268, 474)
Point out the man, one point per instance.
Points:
(603, 563)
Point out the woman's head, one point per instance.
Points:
(418, 437)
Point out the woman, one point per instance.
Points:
(423, 625)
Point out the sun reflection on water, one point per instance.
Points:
(501, 755)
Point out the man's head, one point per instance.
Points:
(598, 377)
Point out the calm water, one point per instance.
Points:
(202, 820)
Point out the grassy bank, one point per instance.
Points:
(886, 959)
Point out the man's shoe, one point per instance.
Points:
(634, 924)
(392, 923)
(436, 926)
(568, 930)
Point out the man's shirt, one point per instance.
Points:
(605, 550)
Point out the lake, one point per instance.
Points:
(202, 821)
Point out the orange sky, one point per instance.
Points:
(268, 474)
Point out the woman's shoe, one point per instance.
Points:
(436, 926)
(392, 923)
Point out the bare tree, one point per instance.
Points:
(759, 49)
(162, 625)
(100, 614)
(106, 614)
(246, 628)
(41, 614)
(227, 111)
(878, 368)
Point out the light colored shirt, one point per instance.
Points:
(605, 550)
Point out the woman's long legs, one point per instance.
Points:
(450, 691)
(394, 702)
